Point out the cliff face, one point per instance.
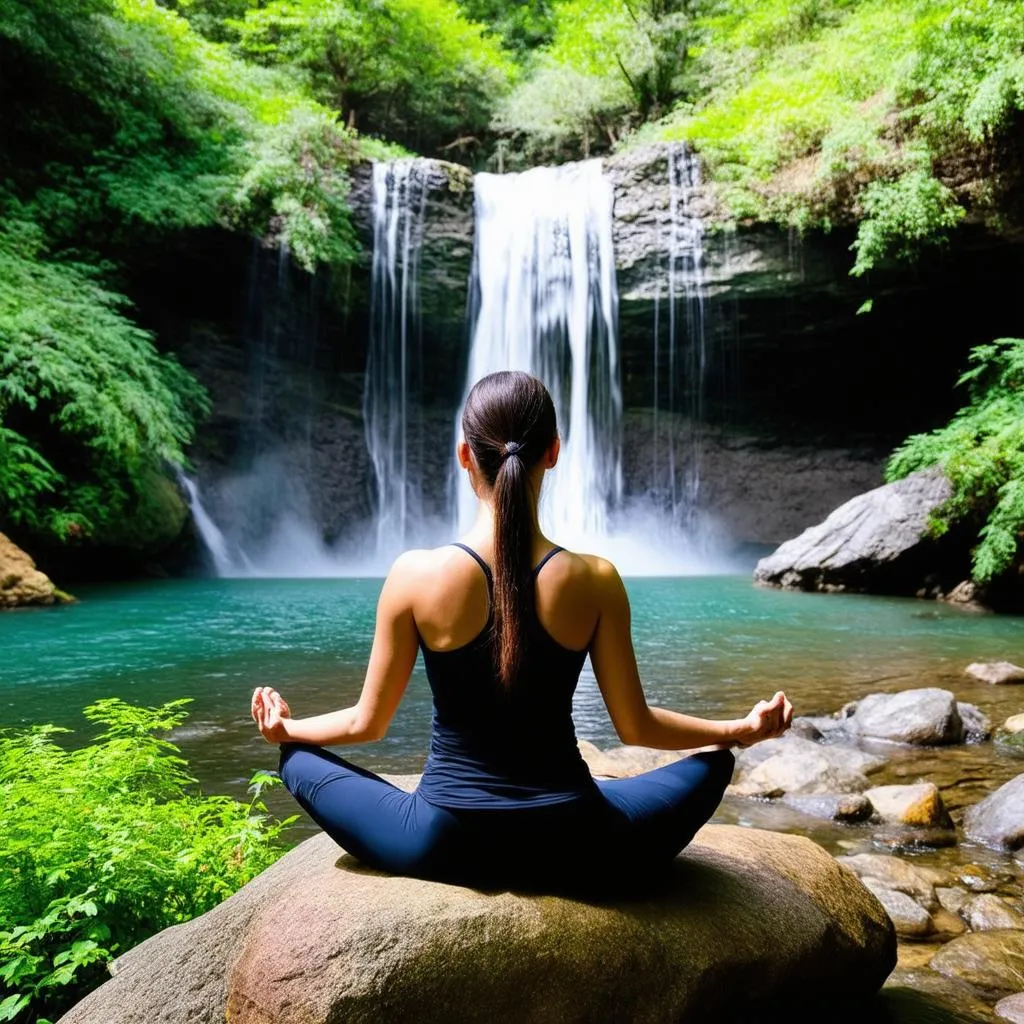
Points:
(794, 398)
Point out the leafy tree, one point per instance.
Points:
(105, 845)
(981, 450)
(612, 65)
(415, 71)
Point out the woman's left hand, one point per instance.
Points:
(269, 712)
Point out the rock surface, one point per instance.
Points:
(998, 673)
(1011, 1008)
(893, 873)
(928, 716)
(919, 804)
(1014, 724)
(623, 762)
(21, 583)
(876, 541)
(911, 921)
(746, 919)
(977, 725)
(988, 912)
(998, 821)
(992, 961)
(844, 807)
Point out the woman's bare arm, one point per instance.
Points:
(395, 644)
(635, 721)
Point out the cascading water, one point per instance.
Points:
(543, 300)
(391, 406)
(687, 355)
(209, 533)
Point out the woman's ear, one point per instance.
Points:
(462, 454)
(552, 453)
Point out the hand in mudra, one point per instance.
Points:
(269, 710)
(767, 720)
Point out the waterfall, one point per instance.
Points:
(676, 475)
(394, 365)
(209, 533)
(544, 300)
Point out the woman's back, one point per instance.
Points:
(495, 745)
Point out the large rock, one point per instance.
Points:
(877, 541)
(21, 583)
(622, 762)
(998, 820)
(927, 716)
(746, 919)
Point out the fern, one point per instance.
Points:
(981, 450)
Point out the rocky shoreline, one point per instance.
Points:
(948, 871)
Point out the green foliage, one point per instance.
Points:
(612, 65)
(981, 450)
(862, 111)
(81, 383)
(523, 25)
(415, 71)
(105, 845)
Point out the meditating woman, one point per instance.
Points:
(505, 619)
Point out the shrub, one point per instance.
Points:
(104, 846)
(981, 450)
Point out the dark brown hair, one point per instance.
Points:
(509, 422)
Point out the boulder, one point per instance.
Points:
(988, 912)
(877, 541)
(918, 882)
(845, 807)
(21, 583)
(744, 920)
(991, 961)
(977, 726)
(998, 673)
(1011, 1008)
(623, 762)
(919, 804)
(928, 716)
(998, 820)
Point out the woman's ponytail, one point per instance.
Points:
(509, 423)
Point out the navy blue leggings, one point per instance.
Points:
(603, 843)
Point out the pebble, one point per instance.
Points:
(1015, 723)
(998, 673)
(988, 912)
(910, 920)
(1011, 1008)
(952, 899)
(917, 804)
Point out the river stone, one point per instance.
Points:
(916, 881)
(745, 920)
(1011, 1008)
(876, 541)
(1014, 724)
(910, 920)
(844, 807)
(918, 804)
(927, 716)
(959, 1001)
(21, 583)
(946, 925)
(795, 771)
(845, 757)
(998, 820)
(902, 839)
(992, 961)
(622, 762)
(998, 673)
(952, 898)
(977, 725)
(988, 912)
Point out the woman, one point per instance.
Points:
(505, 621)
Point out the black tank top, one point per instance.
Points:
(493, 746)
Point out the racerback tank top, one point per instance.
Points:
(493, 746)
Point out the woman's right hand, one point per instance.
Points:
(766, 720)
